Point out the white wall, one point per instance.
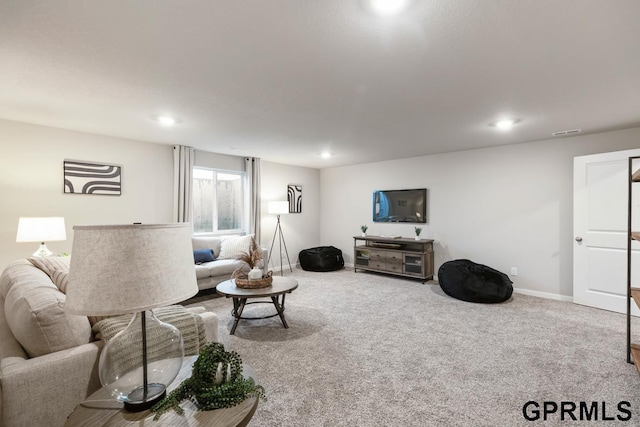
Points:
(300, 230)
(31, 185)
(510, 206)
(31, 182)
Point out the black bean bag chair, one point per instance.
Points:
(468, 281)
(322, 258)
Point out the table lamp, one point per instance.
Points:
(123, 269)
(279, 208)
(41, 229)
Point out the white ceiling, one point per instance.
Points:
(285, 80)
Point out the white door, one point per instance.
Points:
(600, 194)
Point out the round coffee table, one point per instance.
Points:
(276, 292)
(101, 409)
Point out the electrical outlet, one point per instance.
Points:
(514, 271)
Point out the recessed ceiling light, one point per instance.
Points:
(166, 120)
(505, 124)
(388, 7)
(325, 154)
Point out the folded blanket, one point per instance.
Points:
(129, 354)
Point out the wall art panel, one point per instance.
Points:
(294, 197)
(91, 178)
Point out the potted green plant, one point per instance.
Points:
(418, 231)
(216, 382)
(364, 229)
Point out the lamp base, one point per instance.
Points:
(42, 251)
(128, 361)
(136, 401)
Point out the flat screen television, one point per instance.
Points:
(400, 205)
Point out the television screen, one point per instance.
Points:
(400, 205)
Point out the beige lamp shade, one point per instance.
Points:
(119, 269)
(41, 229)
(278, 207)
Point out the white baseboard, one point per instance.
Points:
(538, 294)
(546, 295)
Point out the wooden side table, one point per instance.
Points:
(100, 409)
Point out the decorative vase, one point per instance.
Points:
(364, 234)
(223, 373)
(121, 366)
(255, 274)
(417, 237)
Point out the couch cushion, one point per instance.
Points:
(34, 312)
(223, 266)
(207, 242)
(233, 246)
(219, 267)
(202, 270)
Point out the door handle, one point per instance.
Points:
(578, 239)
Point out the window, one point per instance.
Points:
(218, 201)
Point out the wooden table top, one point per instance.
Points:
(100, 409)
(280, 285)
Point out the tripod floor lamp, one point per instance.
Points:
(279, 208)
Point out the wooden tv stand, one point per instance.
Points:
(399, 256)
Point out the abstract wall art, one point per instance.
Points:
(91, 178)
(294, 197)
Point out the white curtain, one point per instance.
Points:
(252, 167)
(183, 158)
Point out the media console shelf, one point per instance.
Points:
(399, 256)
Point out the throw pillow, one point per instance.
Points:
(51, 263)
(233, 246)
(201, 256)
(60, 279)
(57, 268)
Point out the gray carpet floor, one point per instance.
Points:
(373, 350)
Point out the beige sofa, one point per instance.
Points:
(225, 249)
(48, 358)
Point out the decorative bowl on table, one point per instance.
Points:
(242, 280)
